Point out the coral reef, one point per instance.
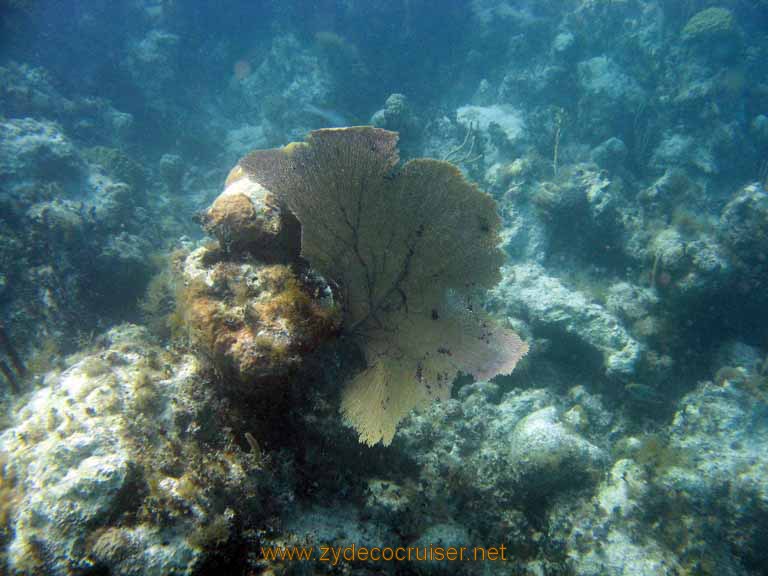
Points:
(276, 95)
(624, 144)
(112, 465)
(32, 150)
(709, 25)
(549, 304)
(398, 115)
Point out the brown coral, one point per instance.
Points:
(247, 218)
(254, 320)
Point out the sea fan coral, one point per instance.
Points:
(408, 249)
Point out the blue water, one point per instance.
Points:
(571, 297)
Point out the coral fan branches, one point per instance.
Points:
(333, 184)
(404, 247)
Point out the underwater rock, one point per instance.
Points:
(28, 92)
(712, 424)
(94, 238)
(622, 492)
(607, 201)
(611, 154)
(709, 271)
(254, 320)
(527, 290)
(522, 452)
(446, 535)
(507, 118)
(709, 25)
(395, 115)
(546, 453)
(485, 139)
(440, 137)
(738, 354)
(630, 302)
(36, 151)
(619, 552)
(669, 248)
(667, 192)
(120, 462)
(279, 88)
(609, 97)
(246, 217)
(602, 541)
(524, 235)
(241, 140)
(759, 128)
(722, 429)
(117, 186)
(689, 264)
(157, 48)
(388, 502)
(71, 458)
(743, 226)
(713, 33)
(61, 219)
(95, 121)
(121, 268)
(171, 170)
(584, 197)
(535, 83)
(339, 526)
(115, 165)
(564, 45)
(474, 448)
(113, 202)
(153, 64)
(141, 551)
(594, 417)
(119, 126)
(683, 150)
(399, 116)
(74, 219)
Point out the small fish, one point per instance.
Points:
(332, 118)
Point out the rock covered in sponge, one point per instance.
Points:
(256, 321)
(246, 217)
(82, 450)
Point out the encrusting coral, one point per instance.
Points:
(255, 321)
(407, 248)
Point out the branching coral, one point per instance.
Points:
(407, 249)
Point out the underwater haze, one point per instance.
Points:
(383, 287)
